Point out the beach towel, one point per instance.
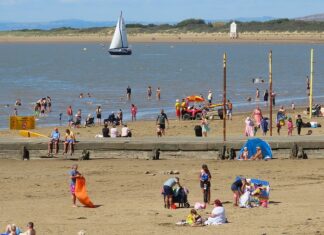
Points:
(81, 192)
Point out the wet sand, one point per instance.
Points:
(130, 202)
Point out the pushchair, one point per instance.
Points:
(90, 122)
(180, 196)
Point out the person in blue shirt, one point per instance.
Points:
(54, 142)
(74, 174)
(168, 191)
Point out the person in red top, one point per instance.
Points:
(134, 112)
(69, 112)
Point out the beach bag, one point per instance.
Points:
(282, 122)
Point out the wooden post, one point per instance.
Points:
(224, 98)
(311, 83)
(270, 90)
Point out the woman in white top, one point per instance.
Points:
(218, 214)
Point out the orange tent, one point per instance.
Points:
(81, 192)
(195, 98)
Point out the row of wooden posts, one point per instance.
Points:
(270, 90)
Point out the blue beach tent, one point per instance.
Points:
(251, 144)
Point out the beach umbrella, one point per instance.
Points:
(195, 98)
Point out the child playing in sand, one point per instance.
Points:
(74, 174)
(194, 218)
(158, 131)
(290, 126)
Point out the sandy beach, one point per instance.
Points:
(247, 37)
(130, 202)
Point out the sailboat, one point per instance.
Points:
(119, 43)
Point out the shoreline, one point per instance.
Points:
(261, 37)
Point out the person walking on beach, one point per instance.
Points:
(204, 127)
(229, 110)
(74, 174)
(133, 112)
(98, 113)
(299, 123)
(264, 126)
(149, 92)
(266, 97)
(257, 115)
(158, 93)
(69, 113)
(128, 93)
(162, 117)
(249, 127)
(178, 109)
(210, 97)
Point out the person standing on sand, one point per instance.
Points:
(149, 92)
(162, 117)
(307, 86)
(290, 126)
(183, 107)
(128, 93)
(299, 124)
(98, 112)
(229, 110)
(257, 115)
(69, 113)
(178, 109)
(133, 112)
(74, 174)
(266, 97)
(249, 127)
(158, 93)
(204, 178)
(273, 97)
(210, 97)
(204, 127)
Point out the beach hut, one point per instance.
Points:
(233, 30)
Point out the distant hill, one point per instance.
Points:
(73, 23)
(317, 17)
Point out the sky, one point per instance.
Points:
(153, 10)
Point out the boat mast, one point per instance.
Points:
(120, 28)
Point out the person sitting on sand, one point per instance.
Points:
(30, 229)
(74, 174)
(114, 132)
(245, 154)
(217, 215)
(168, 190)
(105, 131)
(69, 142)
(194, 219)
(238, 187)
(54, 141)
(125, 131)
(11, 229)
(258, 154)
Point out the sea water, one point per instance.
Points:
(30, 71)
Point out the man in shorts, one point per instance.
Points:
(161, 121)
(168, 191)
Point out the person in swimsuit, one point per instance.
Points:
(158, 93)
(245, 154)
(149, 92)
(258, 155)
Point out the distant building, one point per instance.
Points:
(233, 30)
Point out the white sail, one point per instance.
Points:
(120, 37)
(123, 32)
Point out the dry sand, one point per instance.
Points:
(147, 128)
(130, 202)
(249, 37)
